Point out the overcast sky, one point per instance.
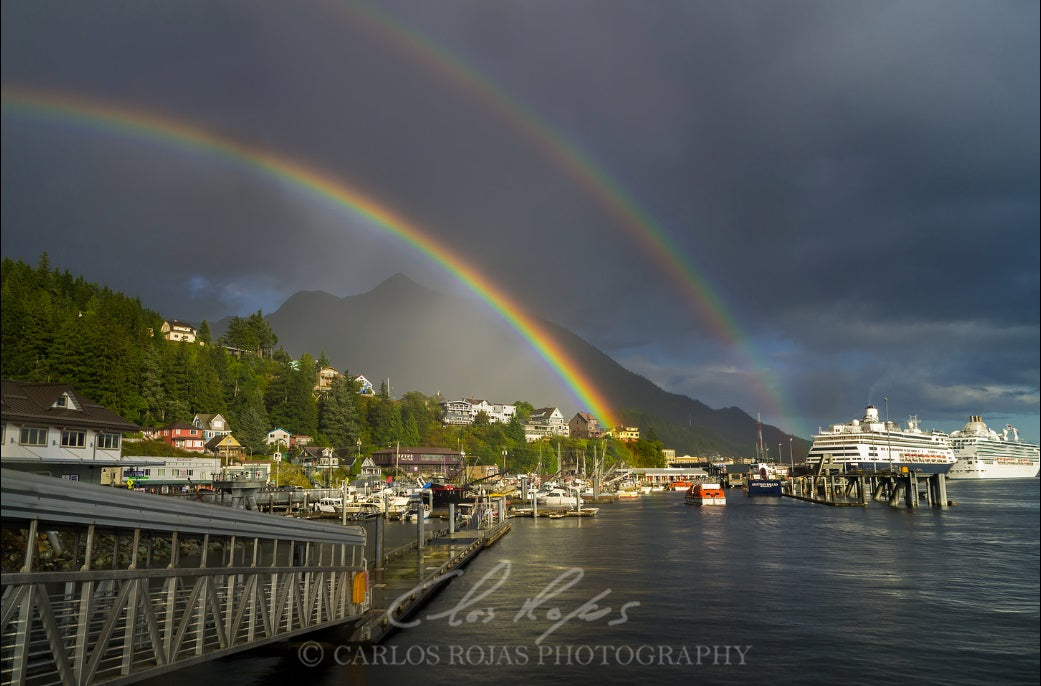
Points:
(850, 188)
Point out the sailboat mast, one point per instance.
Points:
(759, 447)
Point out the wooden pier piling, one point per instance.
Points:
(851, 489)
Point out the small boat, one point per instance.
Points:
(706, 494)
(558, 497)
(413, 513)
(329, 505)
(680, 485)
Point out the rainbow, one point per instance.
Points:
(134, 123)
(652, 238)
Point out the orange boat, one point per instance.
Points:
(680, 485)
(706, 494)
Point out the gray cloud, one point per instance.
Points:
(856, 183)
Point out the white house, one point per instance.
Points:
(49, 428)
(277, 436)
(544, 423)
(174, 330)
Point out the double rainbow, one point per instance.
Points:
(124, 122)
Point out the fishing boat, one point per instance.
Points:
(762, 479)
(706, 494)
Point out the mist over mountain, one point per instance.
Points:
(423, 340)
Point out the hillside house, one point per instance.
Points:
(211, 425)
(585, 425)
(177, 331)
(545, 422)
(183, 436)
(225, 447)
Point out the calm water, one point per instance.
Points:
(762, 589)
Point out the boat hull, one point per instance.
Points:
(769, 487)
(705, 494)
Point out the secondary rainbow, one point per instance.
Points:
(126, 122)
(581, 168)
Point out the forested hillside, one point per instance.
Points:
(57, 327)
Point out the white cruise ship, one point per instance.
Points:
(870, 444)
(985, 454)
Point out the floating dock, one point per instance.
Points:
(409, 576)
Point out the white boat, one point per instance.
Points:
(412, 514)
(983, 453)
(329, 505)
(870, 444)
(558, 497)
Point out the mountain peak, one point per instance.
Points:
(396, 285)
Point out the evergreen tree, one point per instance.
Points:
(338, 418)
(251, 425)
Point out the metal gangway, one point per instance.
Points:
(106, 586)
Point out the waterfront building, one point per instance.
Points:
(51, 429)
(165, 474)
(416, 460)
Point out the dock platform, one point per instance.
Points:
(411, 575)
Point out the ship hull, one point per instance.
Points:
(983, 470)
(768, 487)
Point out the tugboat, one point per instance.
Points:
(706, 494)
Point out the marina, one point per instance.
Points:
(768, 577)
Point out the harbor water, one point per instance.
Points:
(760, 590)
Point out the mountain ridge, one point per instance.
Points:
(422, 340)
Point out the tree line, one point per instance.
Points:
(60, 328)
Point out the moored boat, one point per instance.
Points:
(983, 453)
(706, 494)
(762, 481)
(870, 444)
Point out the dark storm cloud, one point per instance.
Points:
(857, 182)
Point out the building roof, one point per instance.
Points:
(36, 402)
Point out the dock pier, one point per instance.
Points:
(409, 576)
(852, 489)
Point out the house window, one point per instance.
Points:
(73, 439)
(108, 441)
(32, 435)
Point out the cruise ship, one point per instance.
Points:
(870, 444)
(985, 454)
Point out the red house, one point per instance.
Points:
(184, 436)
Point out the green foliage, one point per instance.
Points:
(59, 328)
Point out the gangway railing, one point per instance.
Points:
(106, 586)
